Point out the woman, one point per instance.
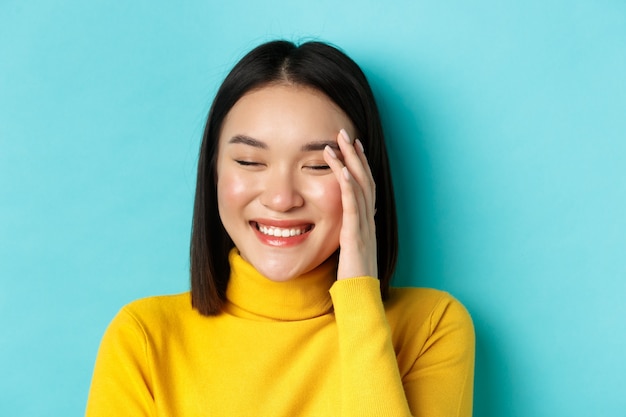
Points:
(293, 246)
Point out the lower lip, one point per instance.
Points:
(281, 242)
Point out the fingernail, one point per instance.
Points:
(346, 173)
(330, 151)
(360, 145)
(345, 135)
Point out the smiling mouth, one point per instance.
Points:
(282, 231)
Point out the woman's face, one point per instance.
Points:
(278, 200)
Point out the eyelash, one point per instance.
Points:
(244, 163)
(318, 167)
(247, 163)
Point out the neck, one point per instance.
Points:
(251, 295)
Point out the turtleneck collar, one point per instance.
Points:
(251, 295)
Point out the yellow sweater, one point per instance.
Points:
(312, 346)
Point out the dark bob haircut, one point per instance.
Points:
(315, 65)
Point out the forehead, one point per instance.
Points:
(285, 113)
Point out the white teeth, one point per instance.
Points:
(280, 232)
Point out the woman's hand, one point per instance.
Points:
(357, 239)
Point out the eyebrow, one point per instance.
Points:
(319, 145)
(307, 147)
(247, 140)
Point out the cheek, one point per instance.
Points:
(232, 191)
(327, 196)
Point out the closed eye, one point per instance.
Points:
(320, 167)
(247, 163)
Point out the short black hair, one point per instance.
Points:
(316, 65)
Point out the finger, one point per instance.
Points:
(361, 153)
(357, 164)
(368, 170)
(358, 233)
(357, 238)
(352, 198)
(360, 201)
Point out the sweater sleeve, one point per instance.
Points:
(440, 381)
(121, 383)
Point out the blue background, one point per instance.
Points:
(507, 133)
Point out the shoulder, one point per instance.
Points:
(155, 312)
(161, 304)
(426, 307)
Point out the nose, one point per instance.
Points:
(281, 192)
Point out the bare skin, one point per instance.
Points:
(357, 239)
